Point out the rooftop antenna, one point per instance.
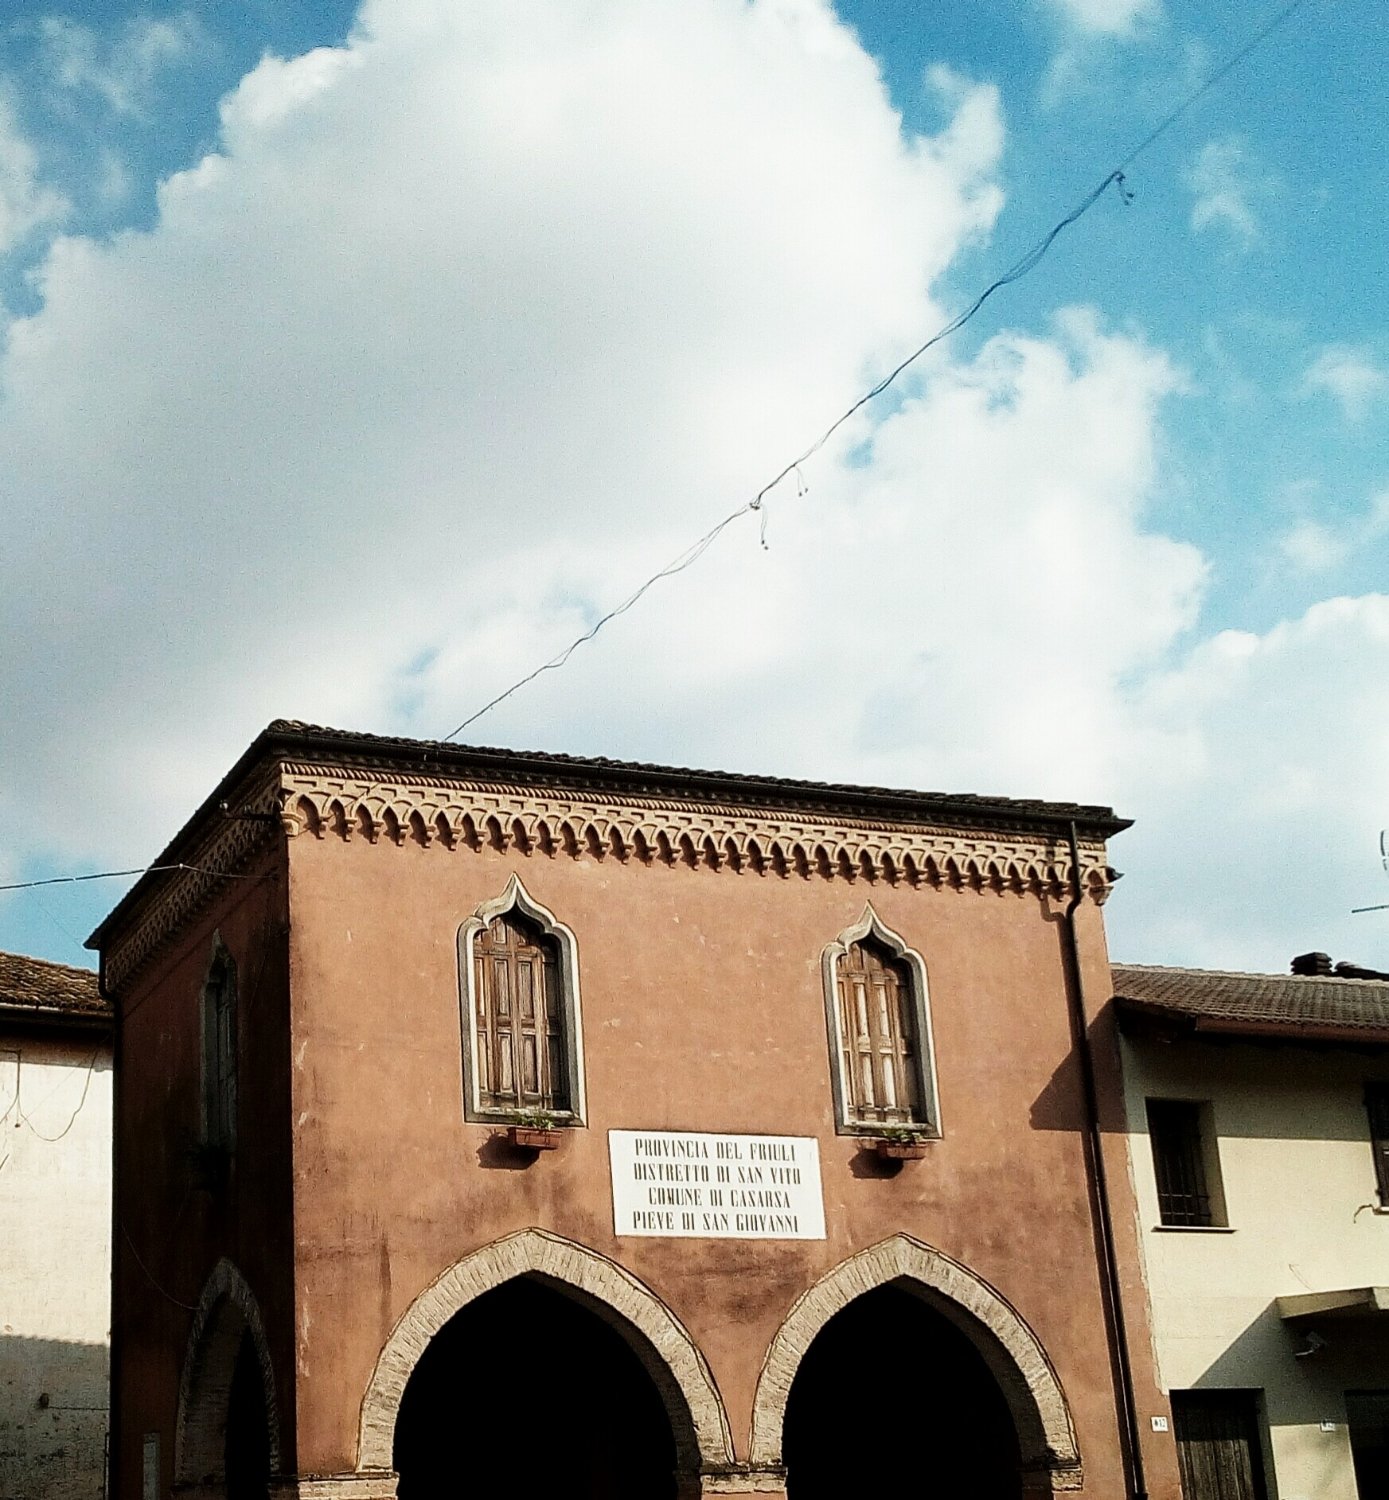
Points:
(1384, 860)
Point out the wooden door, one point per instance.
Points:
(1219, 1450)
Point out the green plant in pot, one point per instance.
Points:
(901, 1142)
(534, 1130)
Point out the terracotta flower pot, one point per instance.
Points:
(901, 1150)
(532, 1138)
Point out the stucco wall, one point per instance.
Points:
(176, 1223)
(703, 1010)
(1299, 1186)
(55, 1218)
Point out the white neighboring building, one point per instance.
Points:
(55, 1230)
(1258, 1117)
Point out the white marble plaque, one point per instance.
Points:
(717, 1187)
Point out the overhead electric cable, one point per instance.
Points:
(693, 553)
(1019, 269)
(29, 885)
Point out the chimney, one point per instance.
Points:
(1345, 970)
(1312, 964)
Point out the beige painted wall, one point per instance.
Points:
(55, 1223)
(1299, 1187)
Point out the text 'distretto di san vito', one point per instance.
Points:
(734, 1187)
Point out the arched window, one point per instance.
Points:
(880, 1032)
(522, 1049)
(219, 1052)
(518, 1014)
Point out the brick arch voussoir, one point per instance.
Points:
(1014, 1354)
(227, 1310)
(663, 1344)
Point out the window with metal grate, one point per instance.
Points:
(1184, 1164)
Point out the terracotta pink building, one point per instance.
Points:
(491, 1120)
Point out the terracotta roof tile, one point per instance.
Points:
(1207, 999)
(36, 988)
(444, 751)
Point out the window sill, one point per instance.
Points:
(504, 1121)
(1193, 1228)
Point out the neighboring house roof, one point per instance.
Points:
(37, 992)
(1293, 1006)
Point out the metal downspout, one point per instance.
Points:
(1104, 1224)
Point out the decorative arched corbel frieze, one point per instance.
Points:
(737, 842)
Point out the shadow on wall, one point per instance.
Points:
(1306, 1367)
(1302, 1373)
(1322, 1103)
(53, 1403)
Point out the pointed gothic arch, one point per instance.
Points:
(227, 1313)
(659, 1340)
(1013, 1353)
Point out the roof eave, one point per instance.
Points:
(1190, 1023)
(51, 1018)
(254, 754)
(281, 739)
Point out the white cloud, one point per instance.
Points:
(494, 304)
(1314, 545)
(1258, 820)
(121, 66)
(972, 142)
(1229, 188)
(25, 203)
(1116, 18)
(1351, 376)
(474, 321)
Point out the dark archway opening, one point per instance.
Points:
(893, 1399)
(527, 1392)
(248, 1428)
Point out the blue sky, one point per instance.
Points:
(1155, 472)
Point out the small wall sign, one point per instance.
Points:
(1159, 1424)
(721, 1187)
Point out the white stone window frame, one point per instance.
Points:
(516, 898)
(871, 925)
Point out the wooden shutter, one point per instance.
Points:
(226, 1059)
(1174, 1129)
(519, 1018)
(880, 1061)
(1218, 1449)
(1377, 1106)
(219, 1055)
